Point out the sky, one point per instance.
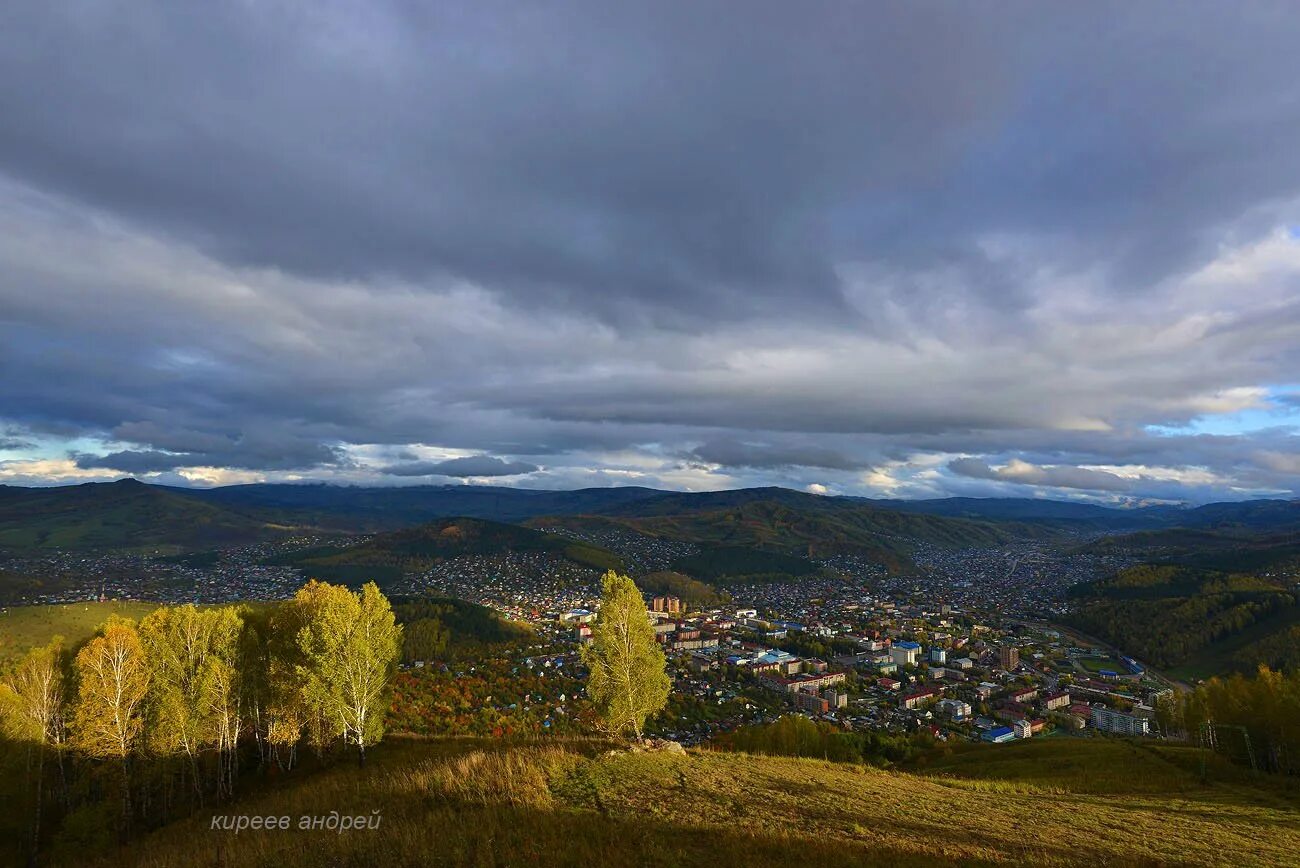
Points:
(893, 249)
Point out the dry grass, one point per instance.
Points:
(469, 803)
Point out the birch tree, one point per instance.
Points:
(112, 679)
(628, 681)
(32, 707)
(350, 644)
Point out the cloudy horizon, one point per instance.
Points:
(917, 250)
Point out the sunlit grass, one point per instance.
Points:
(478, 802)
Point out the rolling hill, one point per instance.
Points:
(487, 802)
(389, 508)
(121, 515)
(1193, 621)
(388, 555)
(795, 525)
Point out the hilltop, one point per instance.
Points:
(119, 515)
(792, 526)
(481, 802)
(388, 555)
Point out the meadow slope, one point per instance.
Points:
(467, 802)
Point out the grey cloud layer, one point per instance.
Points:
(470, 465)
(691, 243)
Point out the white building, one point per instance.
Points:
(905, 653)
(1109, 720)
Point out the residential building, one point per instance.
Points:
(1022, 728)
(905, 653)
(919, 697)
(1109, 720)
(954, 708)
(1009, 657)
(671, 605)
(1055, 701)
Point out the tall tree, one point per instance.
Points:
(350, 644)
(178, 644)
(628, 680)
(112, 678)
(32, 700)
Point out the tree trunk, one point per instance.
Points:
(126, 797)
(40, 797)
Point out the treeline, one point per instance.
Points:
(1266, 708)
(808, 645)
(437, 628)
(798, 736)
(1169, 631)
(167, 711)
(693, 592)
(738, 563)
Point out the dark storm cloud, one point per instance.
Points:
(682, 160)
(735, 453)
(788, 245)
(470, 465)
(269, 455)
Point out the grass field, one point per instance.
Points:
(1097, 664)
(24, 627)
(468, 802)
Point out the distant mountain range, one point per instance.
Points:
(131, 514)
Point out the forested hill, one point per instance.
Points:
(1193, 621)
(809, 527)
(130, 514)
(126, 514)
(417, 548)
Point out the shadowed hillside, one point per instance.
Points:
(467, 802)
(417, 548)
(126, 514)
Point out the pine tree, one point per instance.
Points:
(628, 680)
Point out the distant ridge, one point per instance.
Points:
(131, 513)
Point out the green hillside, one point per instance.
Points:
(121, 515)
(694, 593)
(1192, 621)
(24, 627)
(803, 526)
(477, 802)
(443, 627)
(418, 548)
(1226, 550)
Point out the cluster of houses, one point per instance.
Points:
(967, 681)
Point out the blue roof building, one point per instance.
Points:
(999, 735)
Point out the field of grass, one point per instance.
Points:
(477, 802)
(24, 627)
(1097, 664)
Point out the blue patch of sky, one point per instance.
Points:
(1282, 411)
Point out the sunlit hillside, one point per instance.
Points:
(572, 803)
